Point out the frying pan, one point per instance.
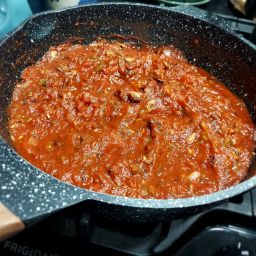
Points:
(27, 194)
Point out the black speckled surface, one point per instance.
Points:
(29, 192)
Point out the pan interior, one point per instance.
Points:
(227, 57)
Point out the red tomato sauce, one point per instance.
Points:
(132, 121)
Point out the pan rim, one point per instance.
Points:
(137, 202)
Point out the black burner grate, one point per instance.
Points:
(229, 229)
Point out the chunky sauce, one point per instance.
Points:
(133, 121)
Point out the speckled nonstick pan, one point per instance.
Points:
(28, 194)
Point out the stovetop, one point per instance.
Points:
(228, 229)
